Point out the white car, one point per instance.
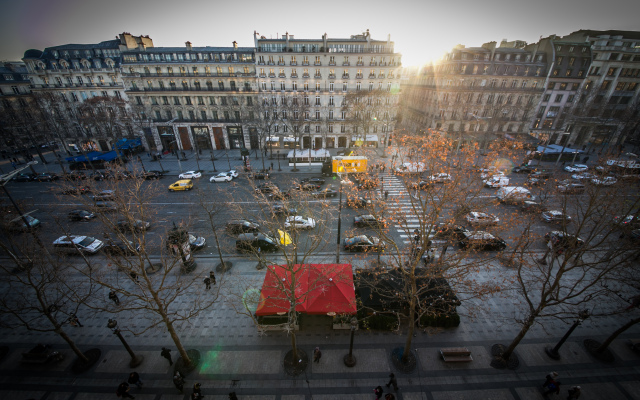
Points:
(221, 177)
(299, 222)
(576, 168)
(480, 218)
(583, 177)
(606, 181)
(232, 173)
(190, 175)
(489, 172)
(440, 178)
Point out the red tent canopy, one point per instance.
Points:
(318, 288)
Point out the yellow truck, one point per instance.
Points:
(345, 165)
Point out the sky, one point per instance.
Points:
(421, 29)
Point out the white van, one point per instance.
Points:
(410, 168)
(73, 244)
(497, 181)
(514, 194)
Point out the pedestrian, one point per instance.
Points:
(586, 159)
(232, 396)
(386, 194)
(197, 391)
(378, 392)
(393, 381)
(207, 283)
(123, 391)
(166, 353)
(549, 378)
(553, 387)
(317, 354)
(114, 297)
(389, 396)
(416, 237)
(272, 165)
(13, 164)
(212, 276)
(574, 393)
(183, 155)
(178, 381)
(74, 321)
(134, 379)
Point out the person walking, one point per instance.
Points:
(212, 276)
(114, 297)
(549, 378)
(393, 381)
(178, 382)
(134, 379)
(197, 391)
(74, 321)
(317, 354)
(13, 164)
(386, 195)
(166, 353)
(207, 283)
(123, 391)
(574, 393)
(232, 396)
(553, 387)
(378, 392)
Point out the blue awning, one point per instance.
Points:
(93, 155)
(108, 156)
(125, 144)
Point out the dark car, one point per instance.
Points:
(555, 216)
(562, 241)
(23, 223)
(570, 187)
(241, 226)
(358, 202)
(261, 174)
(523, 169)
(46, 177)
(281, 209)
(255, 241)
(117, 175)
(540, 174)
(77, 190)
(368, 220)
(76, 176)
(105, 206)
(267, 188)
(104, 195)
(119, 248)
(449, 231)
(317, 181)
(532, 206)
(480, 240)
(419, 185)
(279, 196)
(307, 186)
(135, 225)
(81, 215)
(363, 243)
(97, 176)
(24, 177)
(152, 175)
(326, 192)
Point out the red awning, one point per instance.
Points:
(319, 289)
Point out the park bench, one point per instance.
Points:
(456, 354)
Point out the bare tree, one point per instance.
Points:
(297, 119)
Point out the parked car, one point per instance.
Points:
(496, 181)
(46, 177)
(152, 175)
(481, 218)
(221, 177)
(190, 175)
(299, 222)
(232, 173)
(576, 168)
(488, 172)
(555, 216)
(255, 241)
(317, 181)
(81, 215)
(104, 195)
(363, 243)
(183, 184)
(24, 177)
(532, 206)
(72, 244)
(135, 225)
(562, 241)
(570, 187)
(604, 181)
(583, 176)
(236, 226)
(77, 190)
(368, 220)
(196, 242)
(481, 240)
(627, 222)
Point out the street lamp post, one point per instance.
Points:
(553, 353)
(135, 359)
(339, 223)
(350, 359)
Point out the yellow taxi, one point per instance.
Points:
(182, 184)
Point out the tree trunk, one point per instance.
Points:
(71, 344)
(292, 325)
(412, 322)
(215, 236)
(176, 340)
(615, 334)
(523, 331)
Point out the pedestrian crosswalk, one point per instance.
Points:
(399, 203)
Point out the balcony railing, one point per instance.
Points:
(359, 63)
(191, 89)
(317, 76)
(332, 76)
(294, 75)
(346, 64)
(305, 75)
(293, 63)
(345, 76)
(282, 76)
(305, 63)
(317, 63)
(358, 76)
(332, 63)
(372, 76)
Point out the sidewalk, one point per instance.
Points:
(235, 357)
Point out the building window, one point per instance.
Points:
(558, 98)
(176, 100)
(317, 128)
(294, 85)
(317, 100)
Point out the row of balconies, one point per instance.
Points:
(70, 85)
(330, 76)
(189, 89)
(188, 74)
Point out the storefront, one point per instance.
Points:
(201, 137)
(167, 138)
(236, 139)
(366, 141)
